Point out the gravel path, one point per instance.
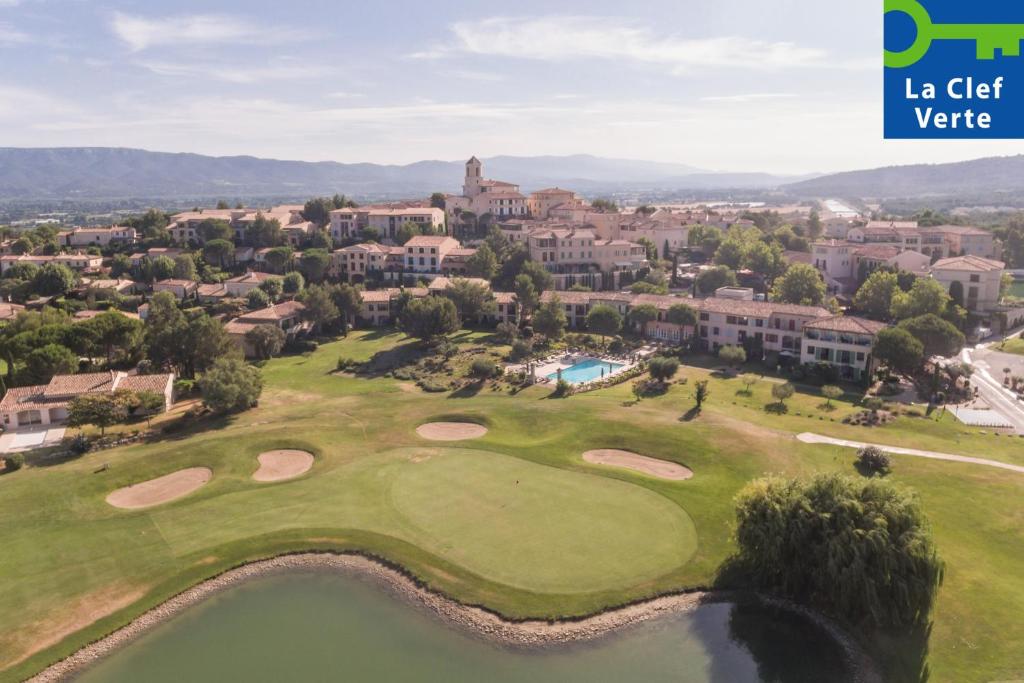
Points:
(808, 437)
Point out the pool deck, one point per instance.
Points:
(550, 365)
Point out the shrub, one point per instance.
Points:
(483, 369)
(184, 388)
(663, 369)
(432, 386)
(521, 348)
(80, 444)
(507, 332)
(562, 389)
(873, 459)
(301, 346)
(13, 462)
(346, 364)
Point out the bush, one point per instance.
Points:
(663, 369)
(562, 389)
(860, 550)
(347, 364)
(483, 369)
(433, 386)
(521, 348)
(873, 459)
(507, 332)
(80, 444)
(301, 346)
(184, 388)
(13, 462)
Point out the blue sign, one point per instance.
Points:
(954, 69)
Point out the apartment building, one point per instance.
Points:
(184, 227)
(577, 256)
(542, 202)
(348, 224)
(425, 254)
(977, 279)
(361, 262)
(843, 264)
(842, 342)
(97, 237)
(936, 242)
(77, 261)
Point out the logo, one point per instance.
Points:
(953, 69)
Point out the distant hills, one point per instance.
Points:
(989, 177)
(91, 173)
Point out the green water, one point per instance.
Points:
(330, 627)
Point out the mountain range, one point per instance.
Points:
(89, 173)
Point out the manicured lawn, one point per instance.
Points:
(516, 521)
(1015, 345)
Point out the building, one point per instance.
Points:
(184, 227)
(181, 289)
(844, 265)
(48, 404)
(578, 257)
(96, 237)
(361, 262)
(842, 342)
(285, 316)
(425, 255)
(241, 285)
(348, 224)
(77, 261)
(542, 202)
(977, 279)
(481, 196)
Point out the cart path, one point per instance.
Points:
(808, 437)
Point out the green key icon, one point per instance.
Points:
(987, 37)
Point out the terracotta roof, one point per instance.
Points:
(960, 230)
(252, 276)
(27, 398)
(9, 311)
(156, 383)
(975, 264)
(176, 283)
(274, 313)
(73, 385)
(378, 296)
(429, 241)
(877, 251)
(213, 290)
(843, 323)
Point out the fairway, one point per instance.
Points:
(515, 520)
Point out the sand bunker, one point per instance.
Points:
(662, 469)
(283, 464)
(451, 431)
(160, 490)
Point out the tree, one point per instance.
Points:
(682, 315)
(318, 211)
(53, 279)
(165, 327)
(99, 410)
(42, 364)
(605, 205)
(231, 385)
(925, 296)
(161, 268)
(749, 380)
(956, 292)
(549, 320)
(320, 239)
(21, 270)
(406, 232)
(274, 287)
(730, 254)
(184, 267)
(604, 320)
(473, 300)
(814, 226)
(438, 200)
(115, 332)
(831, 393)
(542, 280)
(266, 340)
(429, 318)
(314, 264)
(526, 295)
(937, 336)
(765, 259)
(293, 283)
(204, 342)
(874, 298)
(149, 403)
(278, 257)
(663, 369)
(873, 459)
(781, 392)
(640, 316)
(701, 393)
(263, 233)
(800, 284)
(733, 356)
(218, 252)
(860, 550)
(257, 299)
(482, 369)
(712, 279)
(899, 350)
(213, 229)
(349, 303)
(483, 264)
(320, 308)
(370, 234)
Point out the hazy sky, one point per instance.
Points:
(783, 86)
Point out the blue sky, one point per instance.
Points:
(787, 86)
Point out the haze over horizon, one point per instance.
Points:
(732, 86)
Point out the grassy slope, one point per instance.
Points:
(568, 539)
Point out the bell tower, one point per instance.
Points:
(474, 174)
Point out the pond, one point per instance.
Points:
(321, 626)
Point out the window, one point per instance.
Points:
(975, 278)
(705, 316)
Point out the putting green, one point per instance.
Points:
(541, 528)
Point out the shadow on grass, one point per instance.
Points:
(467, 391)
(776, 408)
(690, 415)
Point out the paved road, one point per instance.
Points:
(808, 437)
(988, 372)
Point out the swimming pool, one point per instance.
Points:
(587, 371)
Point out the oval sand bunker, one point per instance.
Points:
(282, 464)
(160, 490)
(451, 431)
(662, 469)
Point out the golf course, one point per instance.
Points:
(508, 514)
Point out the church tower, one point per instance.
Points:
(474, 174)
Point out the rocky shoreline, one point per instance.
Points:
(477, 621)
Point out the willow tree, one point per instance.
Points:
(860, 550)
